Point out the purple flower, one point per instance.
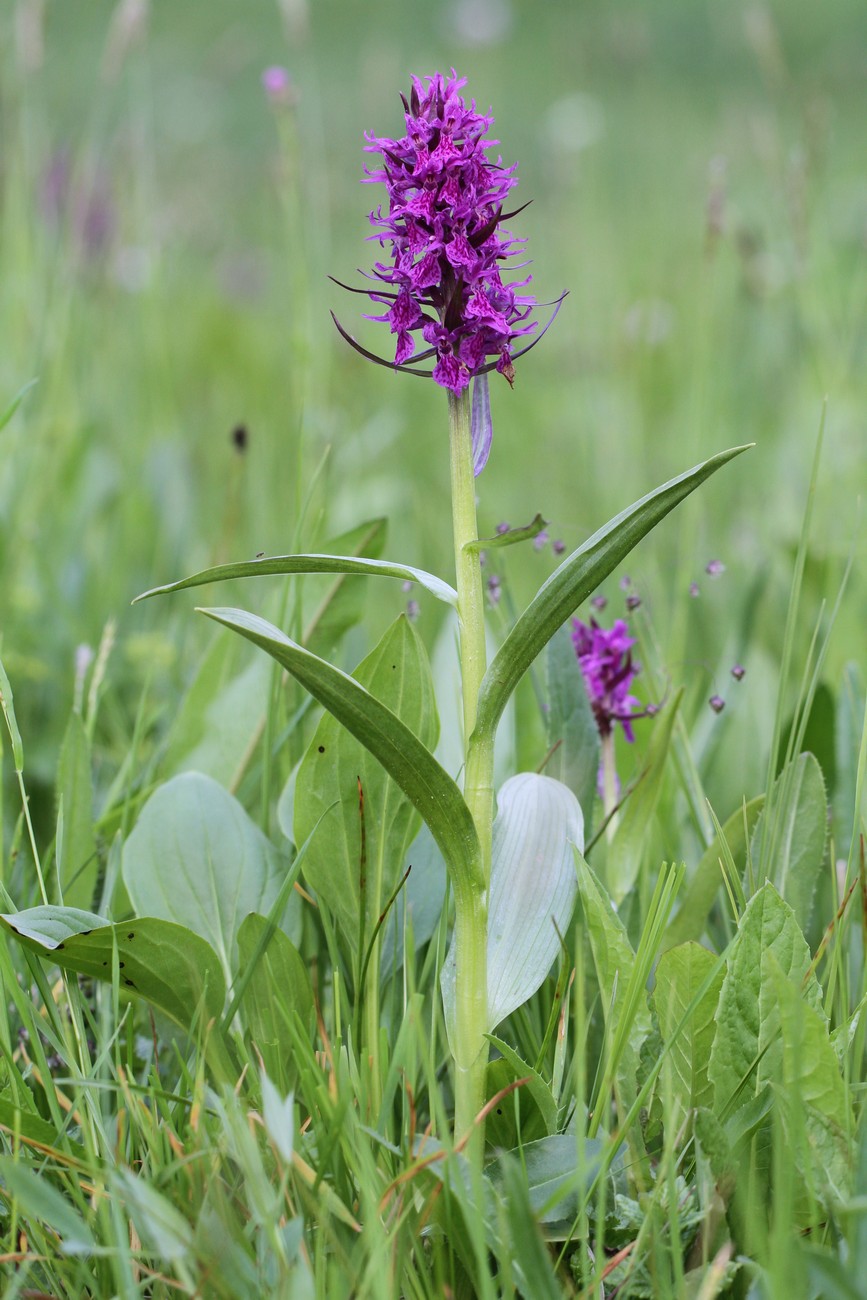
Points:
(633, 602)
(717, 703)
(447, 250)
(714, 568)
(738, 672)
(558, 546)
(599, 602)
(608, 668)
(694, 589)
(277, 85)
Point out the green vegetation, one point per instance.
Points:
(227, 1025)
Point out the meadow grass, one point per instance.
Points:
(698, 187)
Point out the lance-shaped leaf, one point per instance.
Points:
(166, 964)
(286, 564)
(681, 975)
(572, 731)
(533, 891)
(402, 754)
(798, 813)
(573, 582)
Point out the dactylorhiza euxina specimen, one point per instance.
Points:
(448, 249)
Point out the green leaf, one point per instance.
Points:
(614, 961)
(78, 864)
(680, 975)
(397, 675)
(166, 964)
(531, 1259)
(338, 602)
(163, 1230)
(629, 846)
(278, 1113)
(510, 537)
(195, 857)
(535, 1091)
(575, 579)
(555, 1180)
(798, 814)
(8, 707)
(39, 1201)
(285, 564)
(572, 732)
(35, 1130)
(419, 904)
(706, 881)
(16, 402)
(817, 1116)
(851, 705)
(746, 1049)
(401, 753)
(278, 987)
(532, 892)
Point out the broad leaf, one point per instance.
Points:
(746, 1049)
(401, 753)
(355, 867)
(78, 865)
(680, 975)
(42, 1203)
(196, 857)
(555, 1179)
(166, 964)
(278, 987)
(532, 894)
(614, 961)
(706, 881)
(797, 817)
(817, 1115)
(537, 1107)
(630, 840)
(285, 564)
(572, 731)
(576, 578)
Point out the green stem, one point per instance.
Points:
(471, 904)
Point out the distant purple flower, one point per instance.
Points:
(633, 602)
(599, 602)
(717, 703)
(694, 590)
(447, 249)
(738, 672)
(608, 669)
(714, 568)
(502, 528)
(540, 540)
(277, 85)
(558, 546)
(625, 582)
(413, 609)
(494, 591)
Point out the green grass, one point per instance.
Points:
(131, 1164)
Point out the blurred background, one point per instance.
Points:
(698, 180)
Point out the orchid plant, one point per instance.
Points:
(452, 302)
(510, 854)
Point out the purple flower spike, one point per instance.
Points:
(447, 250)
(608, 668)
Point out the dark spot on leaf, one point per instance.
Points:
(131, 934)
(129, 984)
(83, 933)
(121, 964)
(321, 749)
(105, 963)
(240, 437)
(393, 666)
(59, 947)
(499, 1110)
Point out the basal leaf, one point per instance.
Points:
(196, 857)
(167, 965)
(555, 1181)
(575, 579)
(349, 865)
(630, 840)
(400, 752)
(572, 731)
(680, 975)
(797, 812)
(706, 881)
(278, 987)
(746, 1049)
(817, 1115)
(532, 894)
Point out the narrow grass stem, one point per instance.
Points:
(609, 784)
(471, 939)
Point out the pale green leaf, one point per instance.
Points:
(746, 1049)
(196, 857)
(163, 1230)
(277, 988)
(680, 975)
